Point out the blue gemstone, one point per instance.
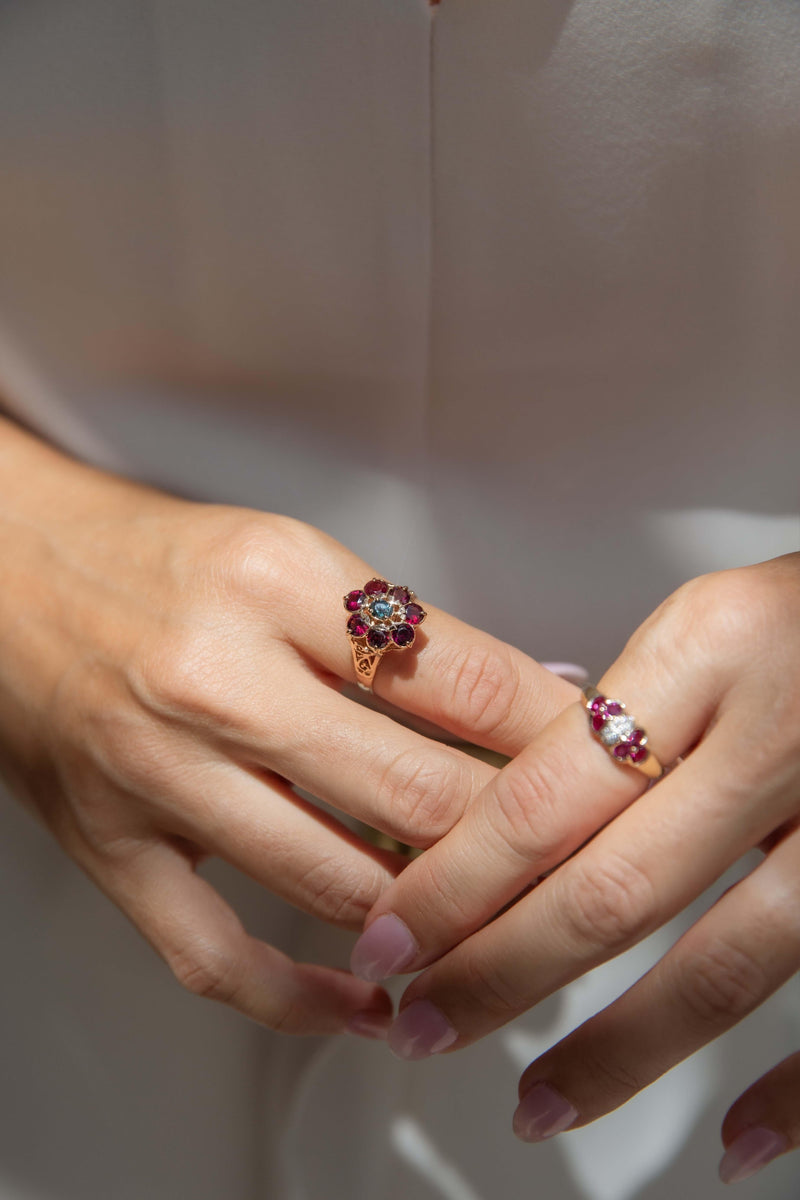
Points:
(381, 610)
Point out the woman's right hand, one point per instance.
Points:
(168, 669)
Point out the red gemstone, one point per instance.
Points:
(377, 639)
(622, 750)
(354, 600)
(376, 587)
(400, 595)
(613, 708)
(358, 627)
(636, 736)
(639, 753)
(598, 721)
(415, 614)
(598, 703)
(403, 635)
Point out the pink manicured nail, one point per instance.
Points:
(370, 1024)
(383, 949)
(751, 1151)
(541, 1113)
(420, 1030)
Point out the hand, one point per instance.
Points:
(712, 676)
(166, 668)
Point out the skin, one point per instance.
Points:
(169, 669)
(158, 692)
(712, 676)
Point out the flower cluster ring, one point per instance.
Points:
(383, 616)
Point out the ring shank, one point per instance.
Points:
(366, 662)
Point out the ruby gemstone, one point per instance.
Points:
(376, 587)
(598, 721)
(598, 703)
(639, 753)
(358, 627)
(622, 750)
(400, 595)
(636, 736)
(354, 600)
(403, 635)
(614, 708)
(414, 614)
(377, 639)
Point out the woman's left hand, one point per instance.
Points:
(713, 676)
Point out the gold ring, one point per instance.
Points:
(383, 616)
(619, 733)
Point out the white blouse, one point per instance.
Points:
(504, 294)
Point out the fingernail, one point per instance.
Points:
(572, 672)
(370, 1024)
(749, 1152)
(420, 1030)
(542, 1113)
(383, 949)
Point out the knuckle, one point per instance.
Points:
(483, 683)
(725, 612)
(422, 795)
(488, 986)
(730, 605)
(525, 808)
(288, 1018)
(202, 678)
(181, 676)
(261, 556)
(433, 900)
(207, 970)
(720, 984)
(609, 904)
(614, 1082)
(339, 896)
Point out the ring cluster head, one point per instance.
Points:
(617, 730)
(383, 615)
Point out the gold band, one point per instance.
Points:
(366, 662)
(618, 733)
(382, 616)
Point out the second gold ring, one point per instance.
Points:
(619, 733)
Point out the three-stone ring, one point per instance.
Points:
(619, 733)
(383, 616)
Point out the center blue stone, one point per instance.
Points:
(381, 609)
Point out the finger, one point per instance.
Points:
(632, 877)
(537, 811)
(262, 827)
(763, 1123)
(359, 761)
(461, 679)
(203, 942)
(475, 686)
(723, 968)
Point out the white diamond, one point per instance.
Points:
(616, 729)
